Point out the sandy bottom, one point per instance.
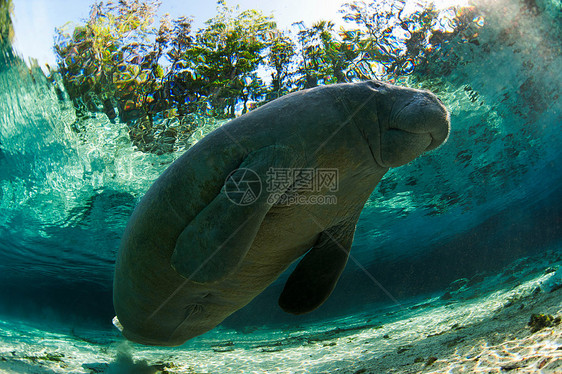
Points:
(478, 325)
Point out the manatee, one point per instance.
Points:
(237, 209)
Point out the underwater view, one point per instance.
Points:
(280, 186)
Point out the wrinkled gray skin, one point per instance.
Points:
(190, 257)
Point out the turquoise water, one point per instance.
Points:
(490, 196)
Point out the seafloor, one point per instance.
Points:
(478, 325)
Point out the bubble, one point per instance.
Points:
(408, 67)
(351, 75)
(479, 21)
(141, 78)
(136, 59)
(129, 105)
(364, 68)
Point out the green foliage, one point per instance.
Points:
(6, 26)
(227, 54)
(326, 55)
(280, 58)
(112, 58)
(161, 77)
(392, 43)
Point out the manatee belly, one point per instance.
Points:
(281, 240)
(178, 310)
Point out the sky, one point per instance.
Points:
(35, 20)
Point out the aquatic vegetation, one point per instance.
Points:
(541, 321)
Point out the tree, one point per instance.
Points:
(115, 60)
(113, 57)
(226, 55)
(6, 26)
(337, 53)
(279, 59)
(310, 64)
(393, 43)
(325, 55)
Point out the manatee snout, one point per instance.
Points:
(436, 118)
(419, 124)
(424, 114)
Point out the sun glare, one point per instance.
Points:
(443, 4)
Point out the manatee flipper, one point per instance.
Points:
(316, 275)
(214, 243)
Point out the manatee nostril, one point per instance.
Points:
(376, 83)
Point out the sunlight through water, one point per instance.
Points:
(456, 259)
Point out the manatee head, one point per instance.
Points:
(409, 123)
